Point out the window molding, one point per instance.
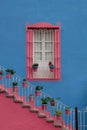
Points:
(29, 50)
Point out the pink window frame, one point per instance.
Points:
(29, 50)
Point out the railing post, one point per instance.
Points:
(76, 118)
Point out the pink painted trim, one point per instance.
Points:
(29, 50)
(45, 79)
(29, 53)
(41, 25)
(57, 54)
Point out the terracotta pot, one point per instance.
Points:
(67, 111)
(44, 107)
(24, 84)
(15, 88)
(59, 117)
(8, 76)
(31, 98)
(52, 69)
(37, 93)
(52, 103)
(1, 77)
(34, 69)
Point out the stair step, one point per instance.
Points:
(10, 95)
(42, 114)
(34, 109)
(18, 100)
(50, 119)
(26, 105)
(2, 88)
(2, 91)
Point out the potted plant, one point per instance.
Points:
(51, 66)
(12, 72)
(31, 98)
(44, 103)
(15, 86)
(68, 110)
(9, 73)
(1, 74)
(35, 67)
(58, 114)
(37, 90)
(52, 101)
(24, 83)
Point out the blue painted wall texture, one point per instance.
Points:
(72, 14)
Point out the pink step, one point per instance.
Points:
(68, 126)
(26, 104)
(2, 88)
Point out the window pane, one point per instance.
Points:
(37, 46)
(38, 56)
(49, 35)
(49, 46)
(37, 35)
(48, 56)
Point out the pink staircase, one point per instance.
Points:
(19, 108)
(15, 117)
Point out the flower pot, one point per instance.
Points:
(15, 89)
(67, 111)
(24, 84)
(44, 107)
(52, 69)
(52, 103)
(8, 76)
(34, 69)
(59, 117)
(1, 77)
(31, 98)
(37, 93)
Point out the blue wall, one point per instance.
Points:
(72, 15)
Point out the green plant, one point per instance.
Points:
(51, 99)
(67, 108)
(35, 64)
(10, 71)
(44, 100)
(24, 79)
(50, 63)
(58, 112)
(38, 88)
(51, 66)
(7, 70)
(15, 83)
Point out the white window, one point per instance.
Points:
(43, 50)
(43, 45)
